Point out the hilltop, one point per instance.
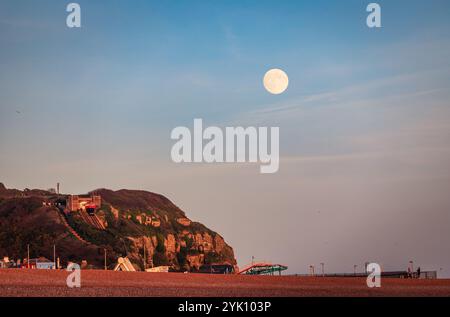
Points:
(131, 221)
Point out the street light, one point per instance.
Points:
(54, 257)
(311, 267)
(105, 259)
(411, 265)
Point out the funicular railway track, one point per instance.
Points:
(91, 220)
(69, 227)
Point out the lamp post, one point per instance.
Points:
(145, 259)
(311, 268)
(105, 259)
(54, 257)
(411, 267)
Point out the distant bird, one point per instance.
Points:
(18, 111)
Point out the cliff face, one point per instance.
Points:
(146, 227)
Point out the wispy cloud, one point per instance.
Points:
(25, 23)
(231, 40)
(348, 94)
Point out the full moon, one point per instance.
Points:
(276, 81)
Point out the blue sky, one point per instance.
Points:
(366, 112)
(212, 53)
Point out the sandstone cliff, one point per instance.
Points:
(146, 227)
